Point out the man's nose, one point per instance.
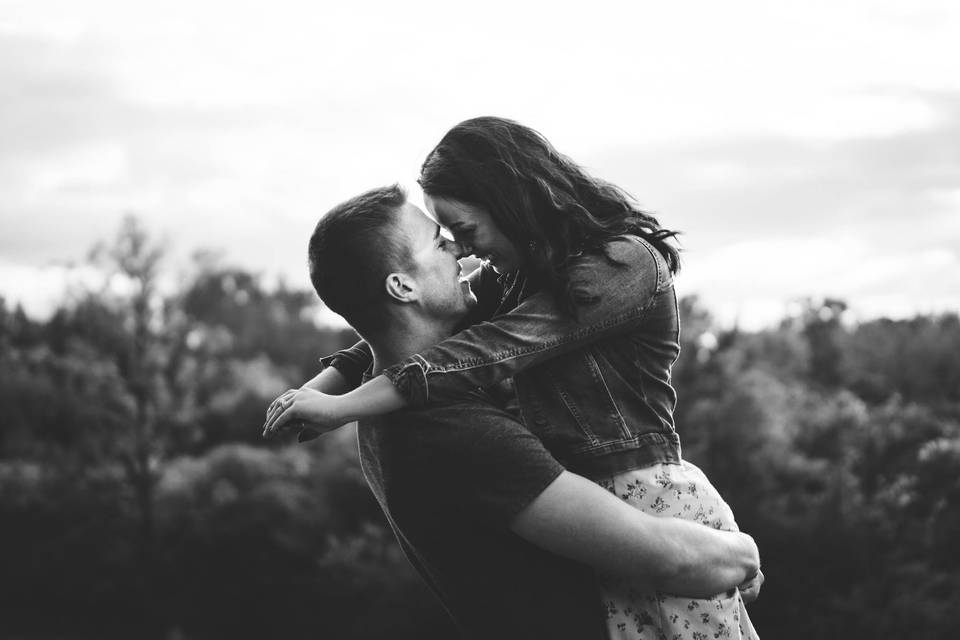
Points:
(460, 250)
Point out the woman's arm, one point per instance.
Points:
(324, 412)
(610, 294)
(342, 371)
(580, 520)
(330, 380)
(342, 374)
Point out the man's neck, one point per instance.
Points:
(405, 337)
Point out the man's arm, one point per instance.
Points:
(580, 520)
(329, 381)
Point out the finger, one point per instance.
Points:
(285, 401)
(271, 410)
(269, 428)
(273, 405)
(273, 430)
(284, 397)
(750, 589)
(281, 421)
(277, 405)
(274, 411)
(757, 575)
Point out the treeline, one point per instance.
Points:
(138, 500)
(839, 449)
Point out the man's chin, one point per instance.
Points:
(463, 317)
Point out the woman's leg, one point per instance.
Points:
(682, 491)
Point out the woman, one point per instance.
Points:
(576, 304)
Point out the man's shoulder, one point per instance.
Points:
(497, 465)
(472, 432)
(473, 415)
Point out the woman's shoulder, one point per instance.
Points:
(626, 249)
(623, 258)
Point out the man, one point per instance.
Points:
(493, 523)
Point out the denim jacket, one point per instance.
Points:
(593, 382)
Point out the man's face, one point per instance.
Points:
(473, 227)
(436, 270)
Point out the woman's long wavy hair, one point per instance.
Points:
(548, 206)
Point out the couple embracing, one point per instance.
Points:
(516, 425)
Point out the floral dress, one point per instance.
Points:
(636, 613)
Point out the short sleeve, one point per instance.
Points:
(351, 362)
(500, 466)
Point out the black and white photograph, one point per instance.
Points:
(508, 320)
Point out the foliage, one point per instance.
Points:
(839, 449)
(138, 500)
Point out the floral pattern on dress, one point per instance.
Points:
(635, 613)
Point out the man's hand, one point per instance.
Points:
(306, 410)
(750, 588)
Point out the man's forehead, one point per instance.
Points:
(416, 220)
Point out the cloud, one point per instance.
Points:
(237, 125)
(78, 152)
(872, 219)
(797, 184)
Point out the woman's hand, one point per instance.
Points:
(322, 412)
(305, 409)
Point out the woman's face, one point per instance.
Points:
(474, 229)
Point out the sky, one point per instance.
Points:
(804, 149)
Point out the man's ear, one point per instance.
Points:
(401, 287)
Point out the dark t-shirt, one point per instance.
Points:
(450, 480)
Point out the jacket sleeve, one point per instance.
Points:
(354, 361)
(610, 291)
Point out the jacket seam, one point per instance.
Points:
(543, 346)
(575, 413)
(606, 388)
(656, 260)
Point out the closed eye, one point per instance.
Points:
(464, 234)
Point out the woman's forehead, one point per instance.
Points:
(450, 211)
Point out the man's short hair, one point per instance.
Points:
(352, 250)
